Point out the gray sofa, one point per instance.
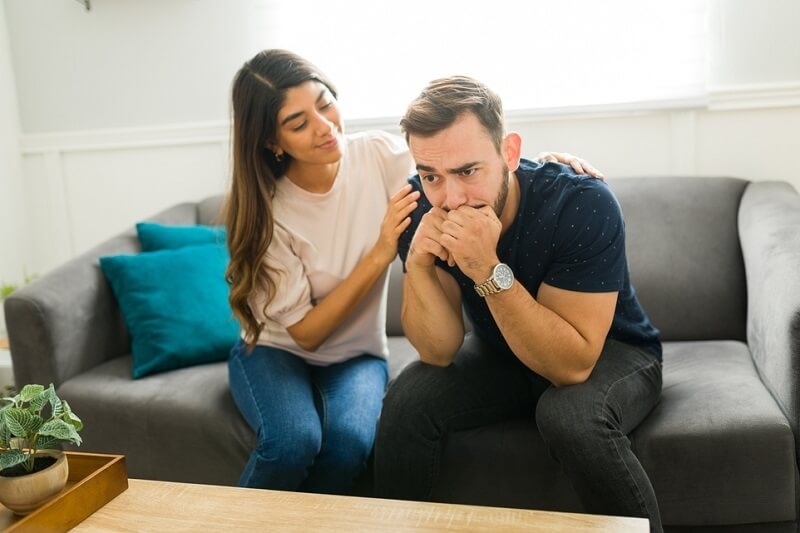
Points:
(716, 262)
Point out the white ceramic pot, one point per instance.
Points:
(23, 494)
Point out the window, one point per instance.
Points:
(538, 55)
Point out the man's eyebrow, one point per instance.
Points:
(462, 168)
(457, 170)
(300, 113)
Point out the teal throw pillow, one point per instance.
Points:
(154, 236)
(175, 304)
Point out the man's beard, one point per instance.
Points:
(502, 195)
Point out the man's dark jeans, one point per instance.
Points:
(584, 426)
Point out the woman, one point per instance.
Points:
(313, 219)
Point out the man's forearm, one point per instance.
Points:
(431, 321)
(543, 340)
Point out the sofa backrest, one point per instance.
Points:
(683, 251)
(684, 254)
(209, 211)
(394, 325)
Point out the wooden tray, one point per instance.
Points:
(94, 480)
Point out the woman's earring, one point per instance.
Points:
(278, 156)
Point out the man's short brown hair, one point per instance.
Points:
(444, 100)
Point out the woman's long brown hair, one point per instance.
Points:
(258, 92)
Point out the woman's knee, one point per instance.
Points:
(350, 446)
(294, 447)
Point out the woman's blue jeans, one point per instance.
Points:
(585, 427)
(315, 424)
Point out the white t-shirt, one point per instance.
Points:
(319, 239)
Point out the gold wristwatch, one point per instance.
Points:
(502, 279)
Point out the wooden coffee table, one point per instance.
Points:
(162, 506)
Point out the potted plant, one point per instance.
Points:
(32, 426)
(6, 289)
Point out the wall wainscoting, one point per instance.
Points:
(82, 187)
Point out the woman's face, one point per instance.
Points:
(309, 124)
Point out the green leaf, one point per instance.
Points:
(45, 397)
(55, 402)
(29, 392)
(38, 402)
(5, 435)
(71, 418)
(48, 443)
(9, 458)
(21, 422)
(57, 405)
(61, 430)
(7, 289)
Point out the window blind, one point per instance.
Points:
(536, 54)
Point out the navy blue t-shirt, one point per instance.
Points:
(568, 233)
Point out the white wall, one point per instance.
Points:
(12, 228)
(126, 63)
(753, 42)
(123, 110)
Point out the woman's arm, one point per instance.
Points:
(324, 318)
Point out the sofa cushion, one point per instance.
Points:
(138, 418)
(121, 416)
(718, 439)
(175, 305)
(717, 448)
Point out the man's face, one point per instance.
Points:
(460, 166)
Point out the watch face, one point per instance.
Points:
(503, 276)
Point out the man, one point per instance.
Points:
(535, 253)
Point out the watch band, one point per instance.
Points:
(488, 287)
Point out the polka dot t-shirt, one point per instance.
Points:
(569, 233)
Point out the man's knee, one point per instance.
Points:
(414, 387)
(570, 416)
(413, 400)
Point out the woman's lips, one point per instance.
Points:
(329, 144)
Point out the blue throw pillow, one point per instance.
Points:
(154, 236)
(175, 304)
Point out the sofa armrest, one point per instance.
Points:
(68, 320)
(769, 229)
